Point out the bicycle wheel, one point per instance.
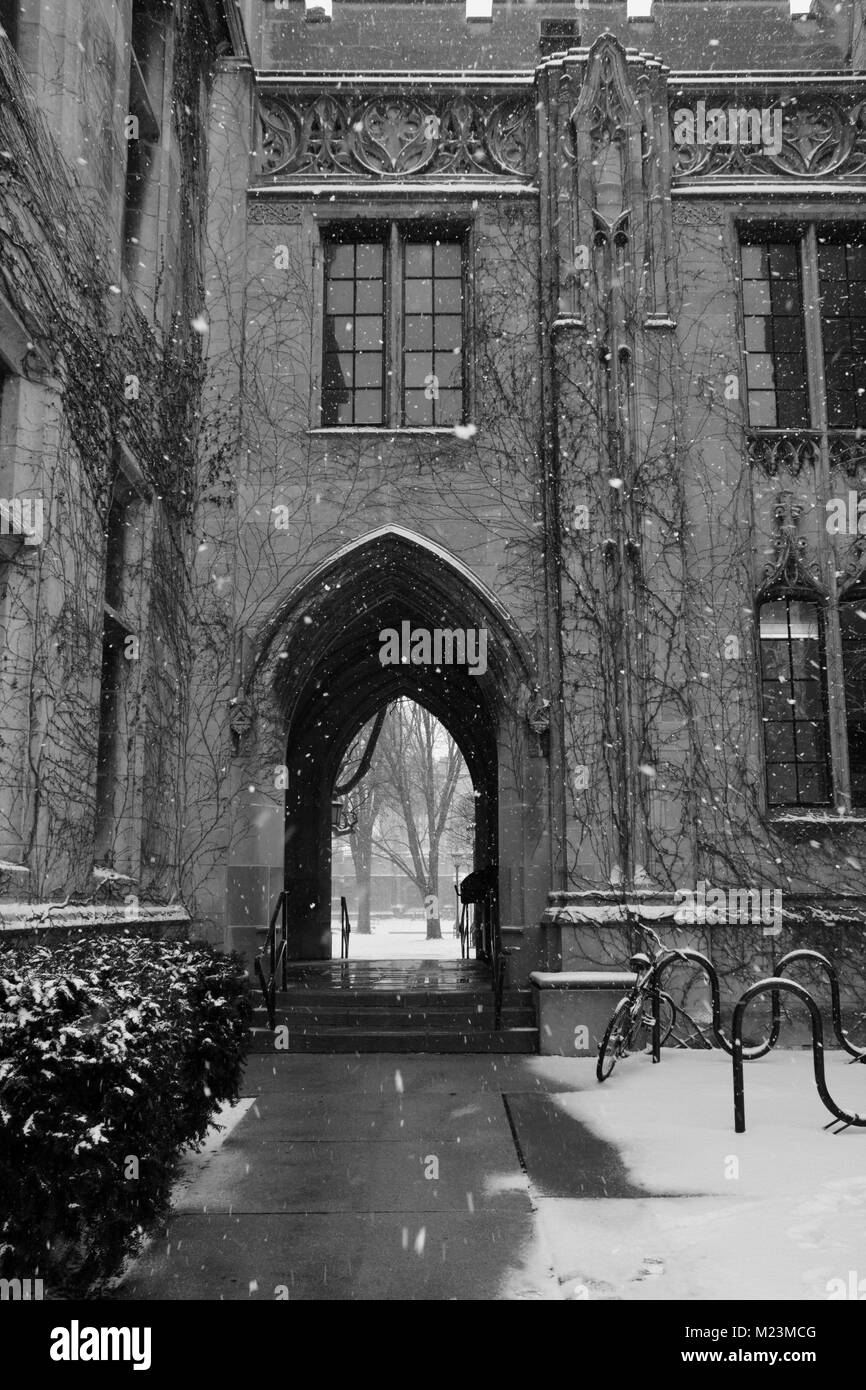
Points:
(619, 1037)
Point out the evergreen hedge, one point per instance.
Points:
(115, 1052)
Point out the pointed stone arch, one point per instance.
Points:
(318, 668)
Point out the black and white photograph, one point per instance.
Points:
(432, 672)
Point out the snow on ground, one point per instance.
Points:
(398, 938)
(782, 1210)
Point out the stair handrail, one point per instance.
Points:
(773, 985)
(345, 929)
(276, 957)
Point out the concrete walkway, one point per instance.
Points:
(517, 1177)
(368, 1177)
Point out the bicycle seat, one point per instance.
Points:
(640, 962)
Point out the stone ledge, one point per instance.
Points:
(47, 916)
(583, 979)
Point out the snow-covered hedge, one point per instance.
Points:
(115, 1052)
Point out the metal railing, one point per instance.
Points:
(274, 955)
(345, 929)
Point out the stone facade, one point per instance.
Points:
(605, 506)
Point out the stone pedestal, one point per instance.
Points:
(572, 1008)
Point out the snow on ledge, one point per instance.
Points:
(35, 916)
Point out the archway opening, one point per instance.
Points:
(403, 836)
(390, 617)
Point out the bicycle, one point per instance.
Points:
(631, 1024)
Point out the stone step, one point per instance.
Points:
(387, 1017)
(330, 1040)
(361, 998)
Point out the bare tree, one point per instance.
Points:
(423, 766)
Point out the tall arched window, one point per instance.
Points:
(794, 696)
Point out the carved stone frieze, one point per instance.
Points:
(395, 135)
(788, 451)
(686, 214)
(822, 136)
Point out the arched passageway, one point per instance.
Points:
(321, 657)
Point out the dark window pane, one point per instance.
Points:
(791, 373)
(785, 297)
(418, 331)
(419, 411)
(447, 297)
(417, 366)
(792, 410)
(339, 297)
(353, 333)
(336, 410)
(795, 709)
(834, 298)
(341, 332)
(831, 262)
(448, 259)
(419, 261)
(778, 700)
(449, 331)
(812, 785)
(368, 332)
(857, 261)
(843, 301)
(841, 410)
(337, 371)
(433, 304)
(368, 407)
(852, 621)
(449, 408)
(781, 784)
(448, 369)
(368, 369)
(419, 297)
(787, 335)
(784, 258)
(368, 297)
(779, 743)
(776, 373)
(369, 261)
(837, 335)
(339, 261)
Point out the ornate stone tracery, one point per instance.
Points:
(823, 136)
(791, 570)
(396, 135)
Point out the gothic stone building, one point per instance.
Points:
(549, 325)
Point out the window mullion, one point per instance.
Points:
(826, 552)
(393, 350)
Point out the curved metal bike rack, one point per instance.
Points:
(772, 986)
(668, 958)
(835, 998)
